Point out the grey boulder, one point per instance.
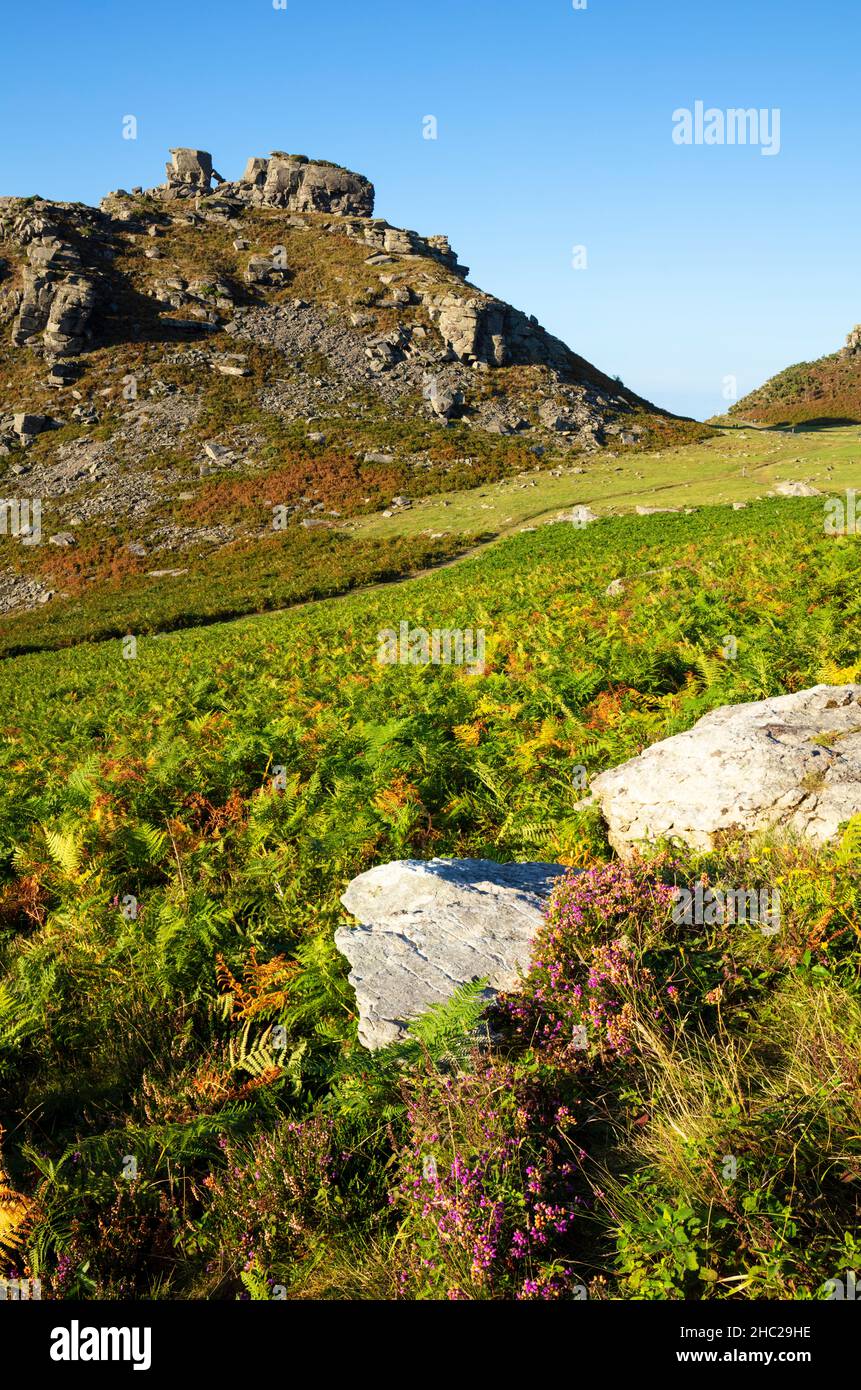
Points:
(427, 927)
(793, 489)
(25, 424)
(791, 762)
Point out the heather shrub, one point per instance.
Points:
(275, 1201)
(489, 1187)
(603, 954)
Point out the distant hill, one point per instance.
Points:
(827, 390)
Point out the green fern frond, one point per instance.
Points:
(850, 841)
(254, 1056)
(452, 1028)
(64, 849)
(488, 777)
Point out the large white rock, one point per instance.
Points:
(791, 489)
(792, 762)
(427, 926)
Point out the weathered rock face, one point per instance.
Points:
(298, 184)
(792, 762)
(483, 329)
(47, 252)
(55, 302)
(429, 926)
(34, 307)
(295, 183)
(75, 279)
(189, 172)
(255, 172)
(289, 181)
(57, 309)
(69, 315)
(853, 342)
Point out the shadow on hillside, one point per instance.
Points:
(127, 316)
(132, 317)
(821, 422)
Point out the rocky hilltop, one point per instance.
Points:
(53, 300)
(208, 332)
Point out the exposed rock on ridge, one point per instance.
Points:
(56, 299)
(345, 331)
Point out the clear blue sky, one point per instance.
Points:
(555, 130)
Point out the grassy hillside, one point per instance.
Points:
(827, 391)
(165, 907)
(740, 463)
(102, 589)
(241, 578)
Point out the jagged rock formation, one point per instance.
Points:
(189, 173)
(474, 327)
(791, 763)
(289, 181)
(294, 182)
(427, 927)
(56, 299)
(65, 278)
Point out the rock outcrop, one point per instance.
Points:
(289, 181)
(792, 762)
(71, 307)
(283, 278)
(53, 304)
(295, 183)
(483, 329)
(189, 173)
(427, 927)
(853, 342)
(58, 294)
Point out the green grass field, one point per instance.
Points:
(165, 906)
(278, 572)
(740, 464)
